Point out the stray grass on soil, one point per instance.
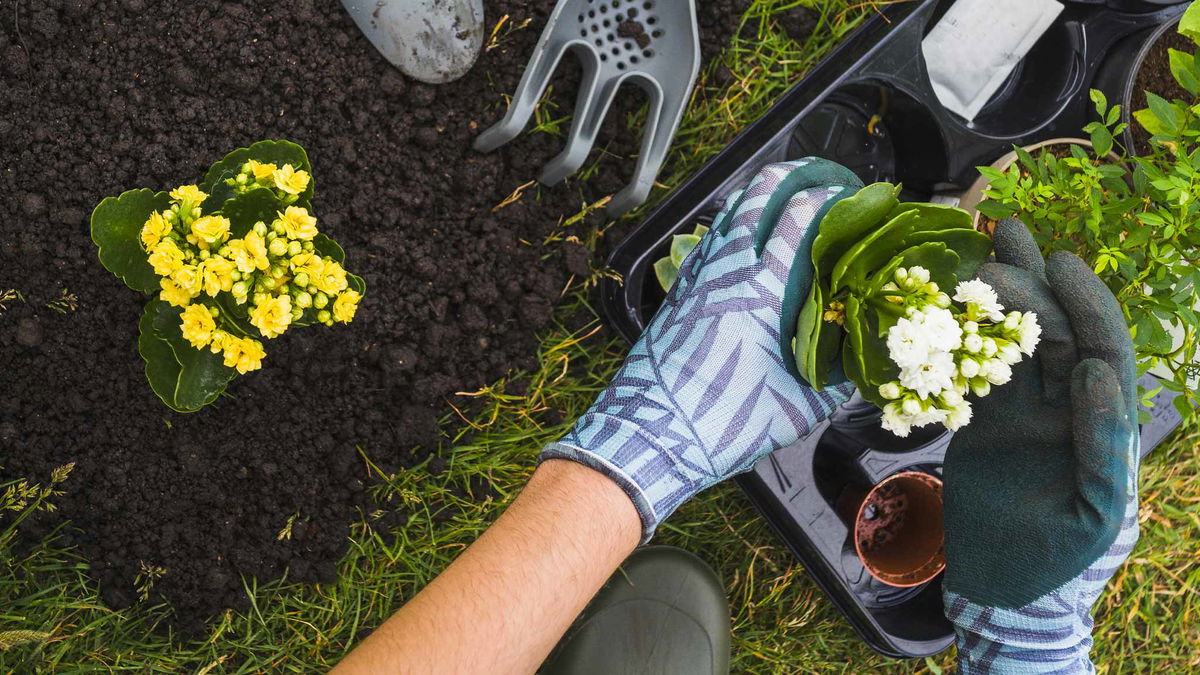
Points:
(52, 620)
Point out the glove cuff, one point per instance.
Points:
(655, 477)
(1053, 634)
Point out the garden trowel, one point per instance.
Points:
(434, 41)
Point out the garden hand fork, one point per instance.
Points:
(654, 44)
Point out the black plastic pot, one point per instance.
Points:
(879, 71)
(1120, 71)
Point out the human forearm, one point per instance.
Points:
(504, 603)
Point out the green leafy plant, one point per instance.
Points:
(882, 270)
(666, 269)
(1134, 219)
(233, 260)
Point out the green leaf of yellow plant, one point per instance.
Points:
(196, 377)
(246, 209)
(116, 230)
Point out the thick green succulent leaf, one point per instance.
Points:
(666, 272)
(162, 370)
(932, 217)
(971, 246)
(356, 283)
(700, 230)
(117, 229)
(681, 246)
(244, 210)
(272, 152)
(198, 375)
(872, 251)
(237, 317)
(847, 221)
(807, 334)
(329, 248)
(936, 257)
(871, 362)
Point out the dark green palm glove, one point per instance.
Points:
(1040, 494)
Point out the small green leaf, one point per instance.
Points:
(1189, 23)
(1102, 140)
(666, 272)
(1164, 111)
(356, 283)
(1183, 67)
(117, 229)
(325, 246)
(268, 152)
(246, 209)
(681, 246)
(201, 375)
(1150, 122)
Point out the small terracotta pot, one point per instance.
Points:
(898, 531)
(974, 194)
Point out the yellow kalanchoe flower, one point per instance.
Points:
(216, 274)
(166, 258)
(189, 193)
(209, 230)
(154, 230)
(263, 173)
(308, 263)
(188, 278)
(243, 353)
(272, 316)
(256, 248)
(298, 224)
(346, 305)
(218, 340)
(235, 250)
(332, 277)
(197, 325)
(173, 293)
(290, 180)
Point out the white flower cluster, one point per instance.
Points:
(944, 351)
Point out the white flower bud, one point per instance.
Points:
(942, 301)
(980, 387)
(970, 327)
(969, 368)
(910, 406)
(989, 347)
(1009, 353)
(972, 343)
(919, 274)
(951, 398)
(901, 275)
(891, 390)
(1012, 320)
(998, 372)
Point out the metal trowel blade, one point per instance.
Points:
(434, 41)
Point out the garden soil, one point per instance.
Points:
(102, 96)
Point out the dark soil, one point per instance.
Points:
(1155, 75)
(882, 516)
(103, 96)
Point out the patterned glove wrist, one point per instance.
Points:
(711, 386)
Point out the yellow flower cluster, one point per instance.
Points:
(289, 181)
(274, 268)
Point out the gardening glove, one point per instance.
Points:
(1040, 489)
(711, 386)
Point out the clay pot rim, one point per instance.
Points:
(932, 567)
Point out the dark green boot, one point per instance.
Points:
(664, 612)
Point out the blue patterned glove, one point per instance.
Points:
(711, 386)
(1041, 487)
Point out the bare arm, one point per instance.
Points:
(505, 602)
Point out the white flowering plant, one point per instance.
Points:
(230, 262)
(883, 276)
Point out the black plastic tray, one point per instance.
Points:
(880, 71)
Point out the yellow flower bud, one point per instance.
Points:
(197, 325)
(290, 180)
(273, 316)
(154, 230)
(277, 248)
(298, 224)
(346, 305)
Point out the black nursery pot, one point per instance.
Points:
(1120, 71)
(870, 107)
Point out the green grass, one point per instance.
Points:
(52, 620)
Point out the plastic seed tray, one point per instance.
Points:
(870, 106)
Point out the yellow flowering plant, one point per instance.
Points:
(230, 262)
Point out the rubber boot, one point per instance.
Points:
(664, 612)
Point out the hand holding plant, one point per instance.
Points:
(234, 260)
(882, 272)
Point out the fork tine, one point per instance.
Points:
(590, 109)
(533, 83)
(666, 111)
